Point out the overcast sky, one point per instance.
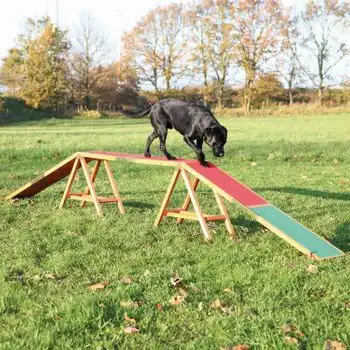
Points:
(113, 16)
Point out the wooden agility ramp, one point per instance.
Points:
(192, 173)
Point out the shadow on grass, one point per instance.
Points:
(343, 196)
(140, 205)
(342, 238)
(248, 227)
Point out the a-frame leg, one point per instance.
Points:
(187, 201)
(70, 182)
(224, 212)
(196, 206)
(167, 196)
(91, 186)
(93, 178)
(114, 186)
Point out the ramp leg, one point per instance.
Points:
(114, 186)
(70, 182)
(93, 177)
(91, 186)
(196, 206)
(167, 196)
(224, 212)
(187, 201)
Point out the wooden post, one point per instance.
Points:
(114, 186)
(93, 177)
(167, 196)
(196, 206)
(70, 182)
(224, 212)
(187, 201)
(91, 186)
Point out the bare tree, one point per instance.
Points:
(89, 51)
(324, 22)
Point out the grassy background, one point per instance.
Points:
(300, 164)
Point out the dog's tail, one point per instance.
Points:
(139, 114)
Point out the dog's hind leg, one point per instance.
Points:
(152, 136)
(163, 133)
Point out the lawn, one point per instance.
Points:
(257, 291)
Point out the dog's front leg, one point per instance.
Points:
(197, 149)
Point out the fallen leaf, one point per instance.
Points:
(147, 273)
(253, 164)
(126, 280)
(228, 290)
(216, 304)
(51, 276)
(334, 345)
(159, 307)
(227, 310)
(312, 268)
(175, 280)
(287, 328)
(131, 330)
(128, 319)
(291, 340)
(177, 300)
(347, 305)
(129, 304)
(240, 347)
(98, 286)
(200, 306)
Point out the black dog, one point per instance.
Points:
(195, 122)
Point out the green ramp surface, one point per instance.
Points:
(296, 234)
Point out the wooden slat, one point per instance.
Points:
(224, 212)
(70, 182)
(93, 178)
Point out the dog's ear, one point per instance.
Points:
(224, 130)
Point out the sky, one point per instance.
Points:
(113, 17)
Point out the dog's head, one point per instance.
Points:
(215, 137)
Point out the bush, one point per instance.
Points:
(89, 114)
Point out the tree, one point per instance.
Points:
(46, 68)
(12, 72)
(157, 46)
(89, 52)
(262, 27)
(324, 20)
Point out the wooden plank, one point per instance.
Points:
(295, 233)
(195, 204)
(167, 196)
(48, 178)
(225, 185)
(91, 186)
(93, 178)
(69, 182)
(114, 186)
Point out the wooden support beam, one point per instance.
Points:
(70, 182)
(91, 186)
(114, 186)
(224, 212)
(93, 177)
(187, 201)
(167, 196)
(195, 204)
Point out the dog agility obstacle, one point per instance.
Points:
(222, 185)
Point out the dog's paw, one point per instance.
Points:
(147, 155)
(170, 157)
(204, 164)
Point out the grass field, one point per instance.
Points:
(258, 291)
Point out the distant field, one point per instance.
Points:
(258, 291)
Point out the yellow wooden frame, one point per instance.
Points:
(191, 197)
(90, 195)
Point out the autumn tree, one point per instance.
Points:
(262, 28)
(325, 22)
(12, 72)
(89, 52)
(156, 46)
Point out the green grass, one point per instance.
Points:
(299, 164)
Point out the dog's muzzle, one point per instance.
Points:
(219, 154)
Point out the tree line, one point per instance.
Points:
(225, 52)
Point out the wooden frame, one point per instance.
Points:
(90, 195)
(183, 213)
